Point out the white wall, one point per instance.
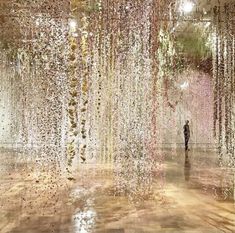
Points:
(190, 97)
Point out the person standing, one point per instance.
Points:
(186, 134)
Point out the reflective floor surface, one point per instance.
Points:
(188, 192)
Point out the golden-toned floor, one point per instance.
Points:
(186, 193)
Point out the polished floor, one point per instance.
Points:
(186, 193)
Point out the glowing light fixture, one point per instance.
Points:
(187, 6)
(184, 85)
(73, 24)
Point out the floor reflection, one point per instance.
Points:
(84, 221)
(188, 192)
(187, 166)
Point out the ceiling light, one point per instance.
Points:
(73, 24)
(184, 85)
(187, 7)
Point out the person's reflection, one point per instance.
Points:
(187, 167)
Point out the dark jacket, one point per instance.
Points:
(186, 131)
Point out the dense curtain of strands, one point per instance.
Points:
(223, 72)
(87, 82)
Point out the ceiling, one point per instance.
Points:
(12, 10)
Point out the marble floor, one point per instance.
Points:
(185, 193)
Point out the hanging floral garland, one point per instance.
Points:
(223, 73)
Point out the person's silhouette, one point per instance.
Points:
(186, 134)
